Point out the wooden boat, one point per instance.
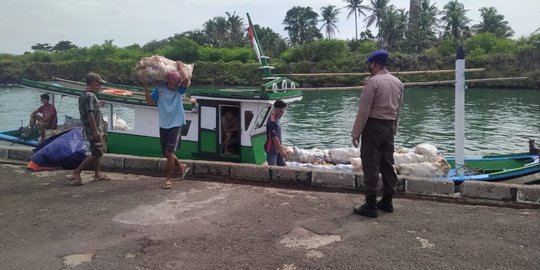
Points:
(201, 135)
(514, 167)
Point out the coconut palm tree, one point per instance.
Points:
(376, 9)
(455, 20)
(301, 24)
(355, 7)
(422, 29)
(393, 27)
(493, 22)
(225, 31)
(414, 6)
(236, 30)
(329, 19)
(216, 29)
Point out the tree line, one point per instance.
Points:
(423, 37)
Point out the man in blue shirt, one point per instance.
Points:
(168, 99)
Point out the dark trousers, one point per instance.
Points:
(377, 154)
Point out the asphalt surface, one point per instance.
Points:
(131, 223)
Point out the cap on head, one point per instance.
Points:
(280, 104)
(379, 56)
(45, 96)
(90, 77)
(174, 76)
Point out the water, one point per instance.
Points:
(497, 121)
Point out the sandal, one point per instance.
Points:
(101, 178)
(186, 170)
(166, 185)
(74, 180)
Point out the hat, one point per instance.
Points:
(379, 56)
(90, 77)
(174, 76)
(280, 104)
(45, 96)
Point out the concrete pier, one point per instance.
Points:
(493, 192)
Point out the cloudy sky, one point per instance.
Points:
(23, 23)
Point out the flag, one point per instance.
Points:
(254, 41)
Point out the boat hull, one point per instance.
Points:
(496, 168)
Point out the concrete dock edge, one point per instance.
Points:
(325, 178)
(489, 191)
(426, 186)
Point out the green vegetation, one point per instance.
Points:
(423, 38)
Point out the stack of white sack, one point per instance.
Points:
(317, 156)
(332, 167)
(313, 156)
(155, 68)
(425, 161)
(342, 155)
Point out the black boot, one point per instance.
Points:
(368, 209)
(385, 204)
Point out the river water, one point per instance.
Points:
(497, 121)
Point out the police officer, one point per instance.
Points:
(376, 124)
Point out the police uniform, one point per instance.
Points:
(376, 124)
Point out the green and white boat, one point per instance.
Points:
(201, 136)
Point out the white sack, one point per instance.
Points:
(307, 156)
(406, 158)
(356, 164)
(342, 155)
(428, 150)
(155, 68)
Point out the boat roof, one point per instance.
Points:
(74, 88)
(245, 93)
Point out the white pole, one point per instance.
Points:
(460, 110)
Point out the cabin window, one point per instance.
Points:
(185, 128)
(208, 117)
(248, 117)
(263, 115)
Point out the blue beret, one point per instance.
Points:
(378, 56)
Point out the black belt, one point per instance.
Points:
(381, 121)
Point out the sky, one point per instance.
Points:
(24, 23)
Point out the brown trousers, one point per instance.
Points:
(377, 154)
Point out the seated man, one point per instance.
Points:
(230, 127)
(44, 117)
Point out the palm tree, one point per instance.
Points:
(216, 29)
(329, 19)
(493, 22)
(377, 8)
(236, 29)
(421, 32)
(356, 7)
(301, 24)
(393, 27)
(414, 7)
(455, 20)
(225, 32)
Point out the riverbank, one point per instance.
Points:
(468, 192)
